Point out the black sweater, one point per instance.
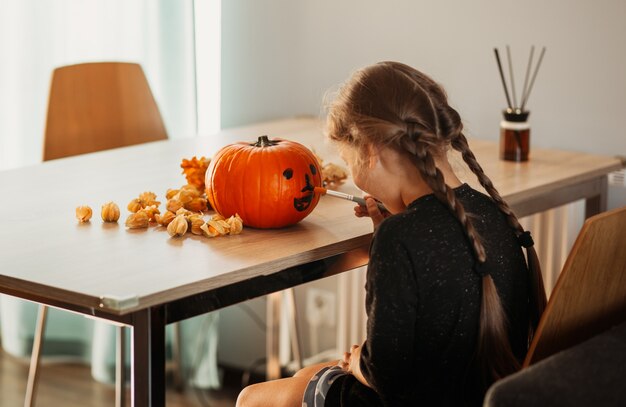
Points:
(423, 303)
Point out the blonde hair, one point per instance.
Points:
(393, 105)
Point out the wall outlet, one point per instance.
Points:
(321, 307)
(618, 178)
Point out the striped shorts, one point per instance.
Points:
(318, 386)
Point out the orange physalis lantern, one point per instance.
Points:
(195, 170)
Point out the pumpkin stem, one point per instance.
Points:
(264, 141)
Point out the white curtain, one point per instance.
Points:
(36, 36)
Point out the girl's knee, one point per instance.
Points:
(246, 397)
(276, 393)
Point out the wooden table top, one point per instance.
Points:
(545, 171)
(45, 253)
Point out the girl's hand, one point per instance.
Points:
(350, 363)
(355, 356)
(344, 363)
(372, 210)
(350, 359)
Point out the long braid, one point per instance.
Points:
(537, 293)
(460, 144)
(494, 354)
(419, 144)
(435, 180)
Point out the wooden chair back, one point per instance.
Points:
(99, 106)
(590, 294)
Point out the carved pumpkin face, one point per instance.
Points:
(268, 183)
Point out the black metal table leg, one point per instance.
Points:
(598, 203)
(148, 368)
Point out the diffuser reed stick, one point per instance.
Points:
(532, 81)
(530, 63)
(508, 56)
(506, 90)
(514, 107)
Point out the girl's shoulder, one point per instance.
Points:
(427, 217)
(415, 223)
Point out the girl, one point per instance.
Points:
(451, 302)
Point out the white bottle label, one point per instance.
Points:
(514, 125)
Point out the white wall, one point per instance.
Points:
(280, 57)
(260, 60)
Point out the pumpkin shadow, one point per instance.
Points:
(304, 235)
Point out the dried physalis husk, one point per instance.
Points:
(148, 198)
(209, 231)
(110, 212)
(135, 205)
(197, 205)
(83, 213)
(191, 188)
(173, 205)
(333, 173)
(220, 226)
(171, 193)
(184, 212)
(137, 220)
(178, 226)
(151, 211)
(186, 195)
(225, 225)
(195, 170)
(192, 215)
(215, 228)
(236, 224)
(196, 222)
(217, 216)
(165, 219)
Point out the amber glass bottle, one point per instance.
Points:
(514, 135)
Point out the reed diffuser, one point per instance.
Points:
(514, 129)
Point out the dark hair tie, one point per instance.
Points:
(525, 239)
(480, 269)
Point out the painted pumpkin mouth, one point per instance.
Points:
(303, 203)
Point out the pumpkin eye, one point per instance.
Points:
(313, 169)
(288, 173)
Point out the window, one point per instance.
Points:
(176, 42)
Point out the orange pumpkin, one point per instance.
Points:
(268, 183)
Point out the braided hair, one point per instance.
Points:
(391, 104)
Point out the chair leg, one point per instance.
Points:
(179, 383)
(35, 357)
(272, 333)
(174, 365)
(296, 344)
(35, 361)
(274, 305)
(120, 368)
